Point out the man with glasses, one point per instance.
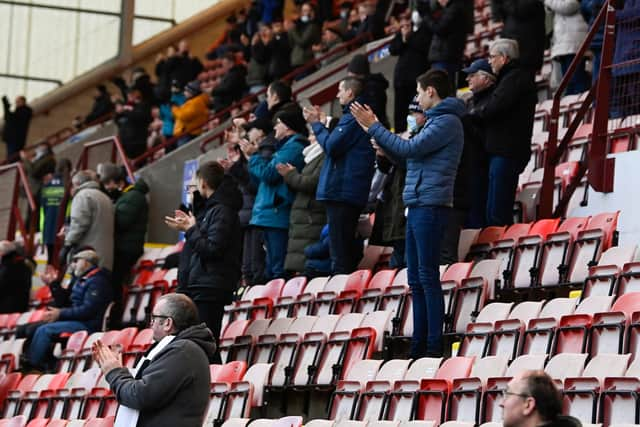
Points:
(169, 386)
(531, 399)
(507, 117)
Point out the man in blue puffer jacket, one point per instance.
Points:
(274, 198)
(80, 306)
(432, 158)
(345, 177)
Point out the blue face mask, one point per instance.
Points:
(412, 123)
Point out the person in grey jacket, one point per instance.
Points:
(432, 158)
(92, 219)
(169, 386)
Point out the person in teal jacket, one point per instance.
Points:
(273, 202)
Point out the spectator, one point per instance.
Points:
(253, 254)
(569, 31)
(590, 10)
(112, 180)
(280, 63)
(532, 399)
(307, 214)
(375, 86)
(191, 116)
(233, 84)
(211, 252)
(102, 105)
(15, 279)
(169, 386)
(507, 117)
(91, 220)
(261, 53)
(177, 99)
(372, 19)
(346, 175)
(178, 66)
(278, 97)
(524, 21)
(432, 158)
(16, 126)
(389, 228)
(78, 307)
(449, 37)
(53, 203)
(273, 202)
(331, 38)
(42, 163)
(131, 219)
(141, 82)
(318, 256)
(412, 49)
(481, 84)
(133, 120)
(304, 33)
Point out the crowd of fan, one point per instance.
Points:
(295, 182)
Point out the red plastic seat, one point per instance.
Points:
(38, 422)
(100, 422)
(236, 328)
(18, 421)
(229, 372)
(9, 382)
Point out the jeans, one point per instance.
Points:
(345, 250)
(425, 227)
(40, 348)
(275, 240)
(503, 182)
(580, 80)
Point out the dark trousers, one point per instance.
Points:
(123, 262)
(451, 237)
(276, 240)
(253, 256)
(503, 182)
(397, 259)
(211, 313)
(343, 246)
(580, 80)
(425, 227)
(403, 96)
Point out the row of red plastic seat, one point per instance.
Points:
(21, 421)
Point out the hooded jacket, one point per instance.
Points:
(350, 161)
(375, 94)
(274, 198)
(132, 217)
(90, 296)
(213, 247)
(173, 389)
(133, 128)
(191, 116)
(412, 56)
(92, 221)
(301, 37)
(569, 27)
(432, 155)
(449, 37)
(508, 114)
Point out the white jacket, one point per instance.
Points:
(569, 27)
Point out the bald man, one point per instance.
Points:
(531, 399)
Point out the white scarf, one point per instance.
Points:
(127, 417)
(310, 152)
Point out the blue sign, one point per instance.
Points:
(188, 174)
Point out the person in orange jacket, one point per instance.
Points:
(192, 115)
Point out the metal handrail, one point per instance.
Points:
(27, 230)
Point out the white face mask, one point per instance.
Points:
(189, 199)
(304, 18)
(416, 18)
(344, 14)
(412, 123)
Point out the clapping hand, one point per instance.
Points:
(181, 221)
(106, 358)
(311, 114)
(285, 168)
(364, 115)
(248, 148)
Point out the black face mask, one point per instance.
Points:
(114, 194)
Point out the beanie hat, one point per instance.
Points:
(193, 87)
(292, 118)
(359, 65)
(262, 124)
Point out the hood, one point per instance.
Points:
(359, 99)
(448, 105)
(377, 79)
(141, 186)
(90, 184)
(200, 335)
(227, 194)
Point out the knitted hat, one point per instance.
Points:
(414, 106)
(359, 65)
(292, 118)
(193, 87)
(263, 124)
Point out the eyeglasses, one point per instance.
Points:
(495, 55)
(157, 316)
(507, 393)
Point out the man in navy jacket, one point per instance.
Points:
(432, 158)
(345, 177)
(81, 306)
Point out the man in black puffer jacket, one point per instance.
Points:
(211, 245)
